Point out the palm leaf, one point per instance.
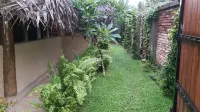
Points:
(116, 35)
(113, 30)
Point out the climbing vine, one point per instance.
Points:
(168, 73)
(130, 39)
(148, 17)
(166, 77)
(150, 13)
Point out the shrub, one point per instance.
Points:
(72, 81)
(91, 51)
(106, 61)
(94, 52)
(149, 66)
(104, 45)
(69, 87)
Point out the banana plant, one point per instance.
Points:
(87, 15)
(106, 32)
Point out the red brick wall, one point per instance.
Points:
(165, 22)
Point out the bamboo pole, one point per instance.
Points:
(9, 69)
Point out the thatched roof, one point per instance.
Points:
(60, 12)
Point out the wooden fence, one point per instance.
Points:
(188, 76)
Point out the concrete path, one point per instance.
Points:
(26, 104)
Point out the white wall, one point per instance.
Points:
(1, 72)
(31, 59)
(73, 45)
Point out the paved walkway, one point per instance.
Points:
(26, 104)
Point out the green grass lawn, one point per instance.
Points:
(125, 88)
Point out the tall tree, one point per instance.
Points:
(9, 70)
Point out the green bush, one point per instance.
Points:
(106, 61)
(149, 66)
(91, 51)
(94, 52)
(69, 87)
(72, 81)
(104, 45)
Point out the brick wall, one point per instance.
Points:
(165, 22)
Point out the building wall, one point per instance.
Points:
(165, 22)
(73, 46)
(32, 57)
(1, 72)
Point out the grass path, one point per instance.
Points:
(125, 88)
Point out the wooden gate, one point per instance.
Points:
(187, 98)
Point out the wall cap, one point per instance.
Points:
(169, 5)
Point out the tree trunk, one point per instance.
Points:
(9, 70)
